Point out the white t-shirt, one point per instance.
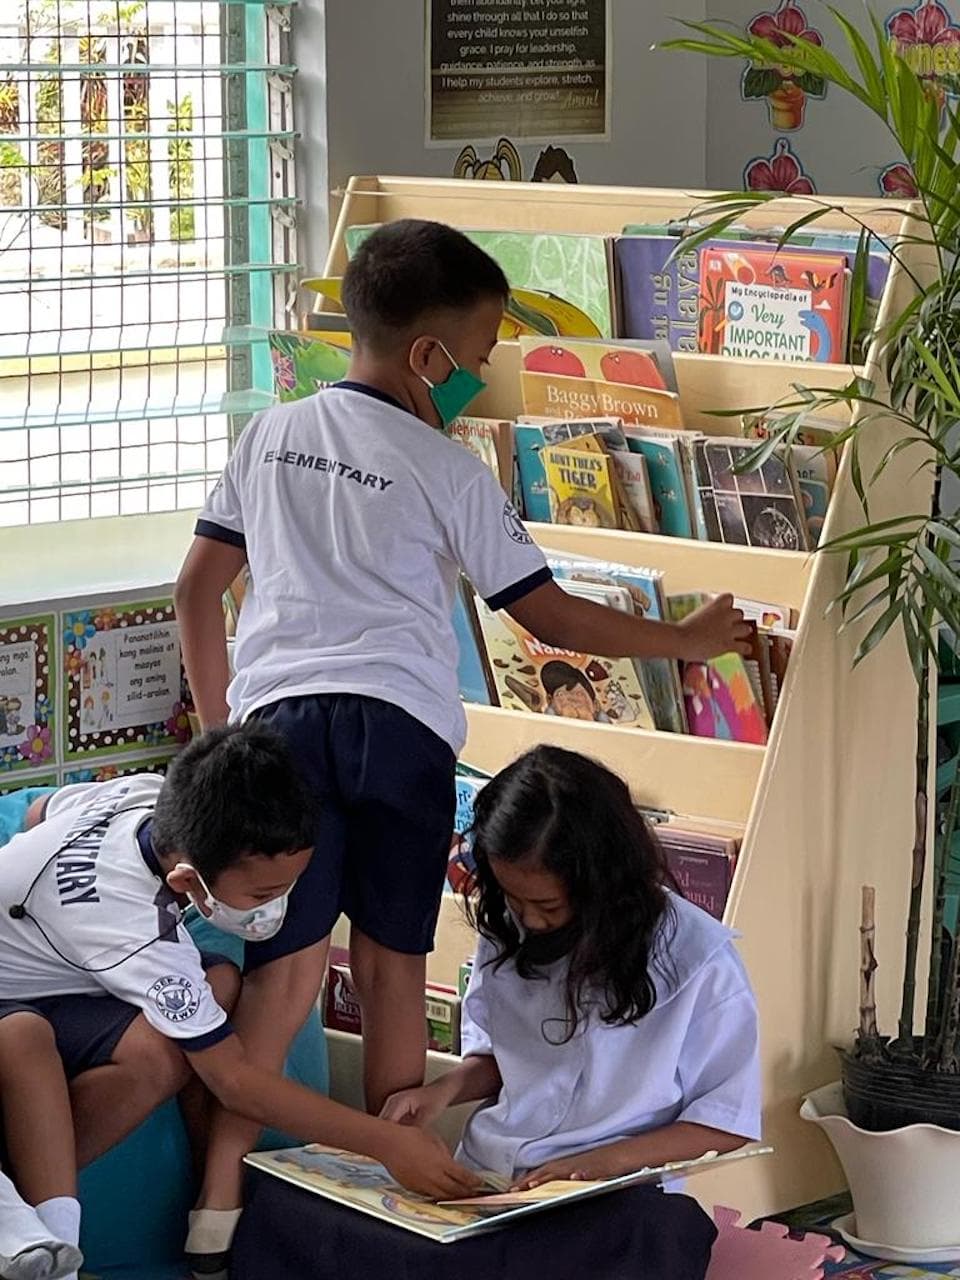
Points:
(357, 519)
(693, 1058)
(99, 896)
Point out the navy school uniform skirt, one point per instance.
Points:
(637, 1234)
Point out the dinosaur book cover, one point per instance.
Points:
(761, 304)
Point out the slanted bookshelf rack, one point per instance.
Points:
(827, 803)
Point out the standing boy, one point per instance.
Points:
(356, 517)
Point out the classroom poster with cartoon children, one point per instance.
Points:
(125, 685)
(27, 693)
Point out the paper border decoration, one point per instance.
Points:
(100, 675)
(107, 770)
(33, 744)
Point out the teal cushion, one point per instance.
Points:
(13, 810)
(136, 1197)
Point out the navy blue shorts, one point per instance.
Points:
(87, 1028)
(384, 785)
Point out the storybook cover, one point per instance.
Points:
(581, 484)
(637, 364)
(304, 363)
(491, 441)
(664, 458)
(660, 676)
(720, 698)
(533, 676)
(555, 395)
(360, 1183)
(761, 304)
(750, 508)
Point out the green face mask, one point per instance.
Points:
(452, 396)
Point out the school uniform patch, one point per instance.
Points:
(175, 997)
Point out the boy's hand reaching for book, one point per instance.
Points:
(421, 1162)
(715, 628)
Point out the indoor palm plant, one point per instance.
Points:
(901, 573)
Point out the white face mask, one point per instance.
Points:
(253, 924)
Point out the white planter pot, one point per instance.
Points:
(905, 1183)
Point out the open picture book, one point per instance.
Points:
(359, 1182)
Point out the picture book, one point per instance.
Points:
(702, 861)
(580, 484)
(661, 452)
(461, 867)
(529, 312)
(720, 699)
(551, 395)
(304, 363)
(658, 295)
(533, 676)
(574, 268)
(637, 364)
(531, 433)
(767, 616)
(660, 676)
(751, 508)
(761, 304)
(528, 441)
(472, 672)
(630, 469)
(489, 440)
(360, 1183)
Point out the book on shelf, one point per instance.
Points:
(490, 440)
(469, 782)
(342, 1012)
(765, 304)
(660, 677)
(574, 268)
(473, 673)
(359, 1182)
(306, 362)
(701, 856)
(720, 698)
(533, 676)
(626, 363)
(749, 506)
(581, 484)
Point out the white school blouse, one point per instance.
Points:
(693, 1058)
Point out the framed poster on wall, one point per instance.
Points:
(28, 686)
(520, 69)
(124, 682)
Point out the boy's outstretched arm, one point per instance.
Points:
(569, 622)
(416, 1159)
(209, 569)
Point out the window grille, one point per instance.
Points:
(147, 245)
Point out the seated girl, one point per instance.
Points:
(609, 1024)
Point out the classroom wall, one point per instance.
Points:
(677, 119)
(375, 101)
(840, 146)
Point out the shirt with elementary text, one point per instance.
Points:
(357, 520)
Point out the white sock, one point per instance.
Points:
(211, 1233)
(28, 1248)
(61, 1217)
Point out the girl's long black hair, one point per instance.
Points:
(573, 817)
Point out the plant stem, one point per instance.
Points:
(869, 1035)
(919, 862)
(944, 841)
(946, 1057)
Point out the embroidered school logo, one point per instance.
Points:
(175, 998)
(513, 525)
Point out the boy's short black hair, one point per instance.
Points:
(410, 268)
(232, 792)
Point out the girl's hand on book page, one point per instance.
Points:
(591, 1166)
(415, 1106)
(420, 1162)
(713, 629)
